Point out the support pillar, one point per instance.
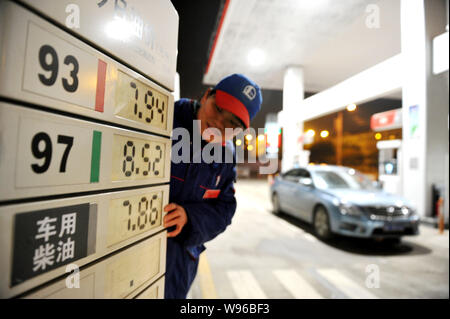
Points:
(425, 103)
(293, 95)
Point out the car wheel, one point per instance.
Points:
(276, 204)
(322, 224)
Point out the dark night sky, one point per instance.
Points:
(197, 24)
(198, 21)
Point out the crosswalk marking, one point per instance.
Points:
(245, 285)
(347, 286)
(296, 285)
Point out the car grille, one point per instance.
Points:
(383, 212)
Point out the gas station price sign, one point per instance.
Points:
(85, 148)
(59, 154)
(44, 65)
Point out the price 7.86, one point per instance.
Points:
(133, 215)
(143, 207)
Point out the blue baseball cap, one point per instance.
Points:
(239, 95)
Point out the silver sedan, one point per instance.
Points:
(341, 200)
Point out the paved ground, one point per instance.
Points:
(266, 256)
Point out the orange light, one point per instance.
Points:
(351, 107)
(324, 134)
(378, 136)
(310, 133)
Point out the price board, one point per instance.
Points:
(43, 65)
(126, 274)
(43, 237)
(86, 115)
(46, 154)
(144, 34)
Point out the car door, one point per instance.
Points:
(286, 189)
(305, 196)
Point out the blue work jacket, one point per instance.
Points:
(194, 186)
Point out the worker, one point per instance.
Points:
(202, 199)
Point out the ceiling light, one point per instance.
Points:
(256, 57)
(351, 107)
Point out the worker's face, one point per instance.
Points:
(212, 116)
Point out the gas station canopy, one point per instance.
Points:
(331, 40)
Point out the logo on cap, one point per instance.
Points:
(250, 92)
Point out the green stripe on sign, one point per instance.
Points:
(95, 160)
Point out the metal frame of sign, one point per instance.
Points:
(107, 232)
(38, 66)
(114, 277)
(32, 138)
(154, 291)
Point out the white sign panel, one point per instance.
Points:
(143, 34)
(38, 164)
(42, 238)
(46, 154)
(52, 68)
(45, 66)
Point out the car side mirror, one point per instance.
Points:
(306, 182)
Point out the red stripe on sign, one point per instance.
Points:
(100, 93)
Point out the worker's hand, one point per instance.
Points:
(176, 217)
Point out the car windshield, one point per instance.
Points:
(347, 179)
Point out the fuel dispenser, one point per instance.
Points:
(389, 151)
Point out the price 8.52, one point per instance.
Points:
(137, 159)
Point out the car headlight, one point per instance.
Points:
(408, 211)
(349, 209)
